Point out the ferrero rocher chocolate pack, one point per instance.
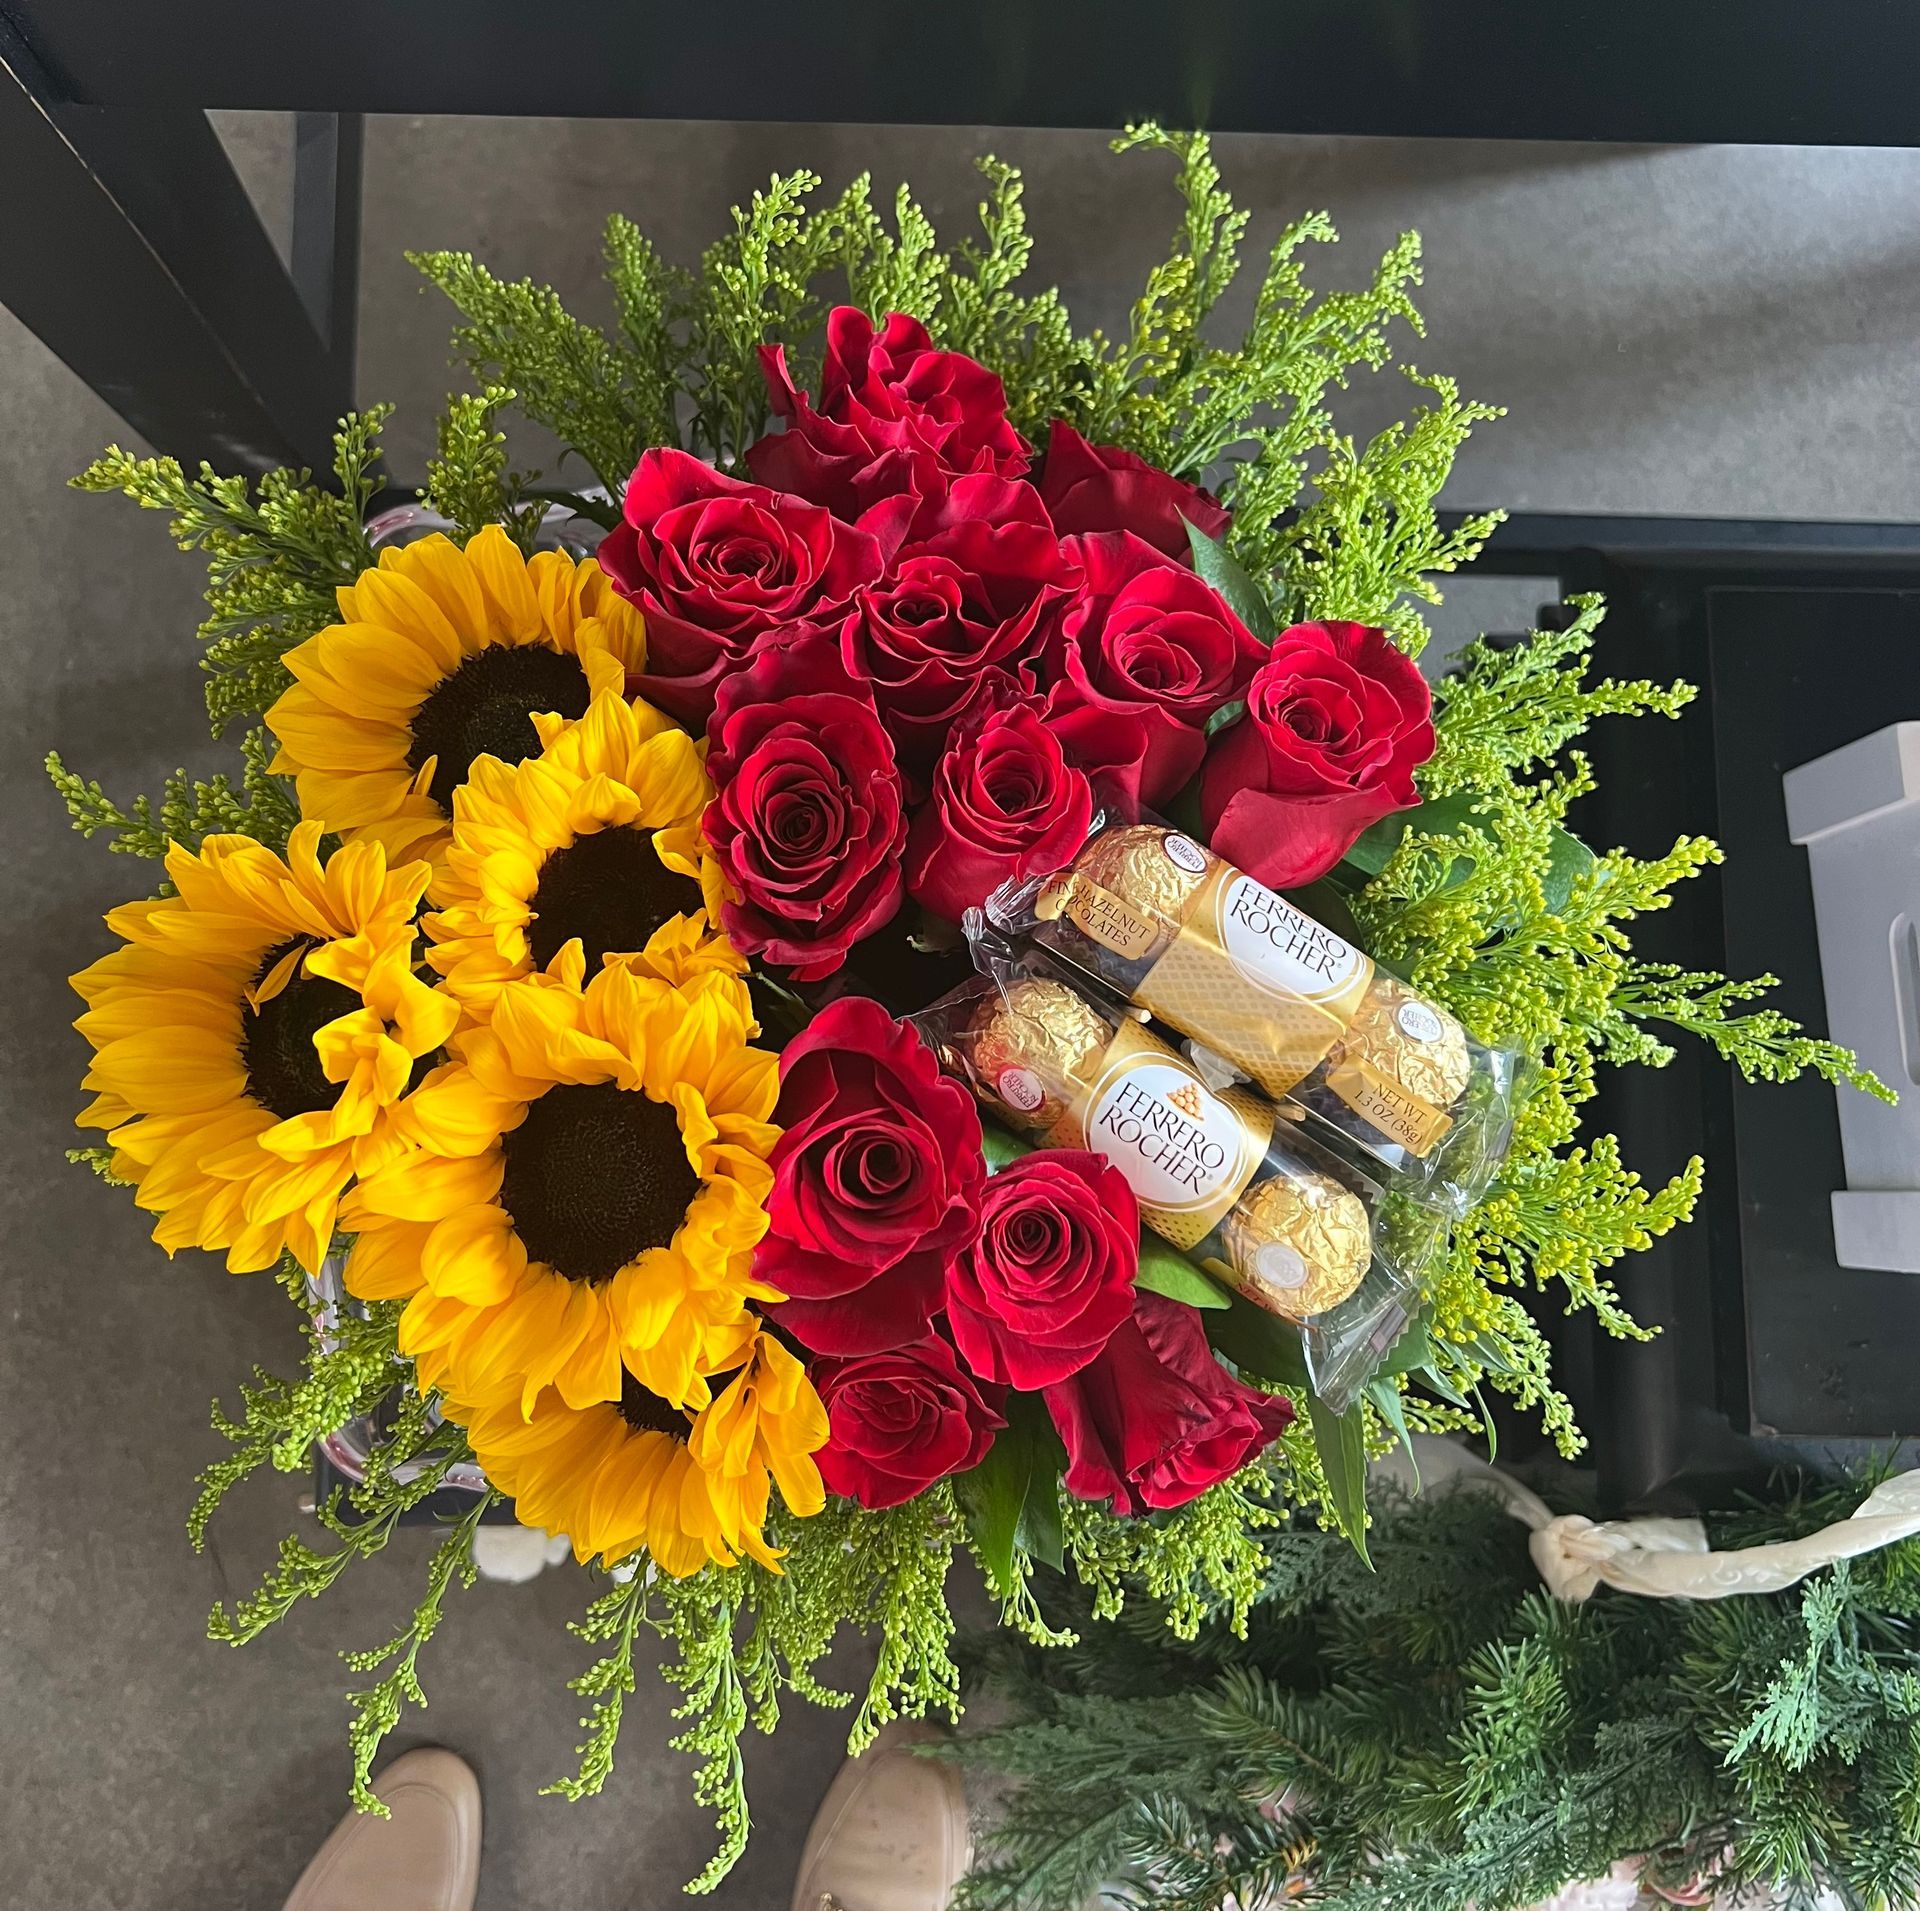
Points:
(1289, 1005)
(1250, 1198)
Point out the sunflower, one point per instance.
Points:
(640, 1472)
(252, 1040)
(598, 838)
(586, 1186)
(442, 655)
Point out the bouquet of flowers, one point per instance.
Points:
(538, 998)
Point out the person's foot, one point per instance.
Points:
(426, 1857)
(891, 1833)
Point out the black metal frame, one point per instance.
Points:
(128, 244)
(1769, 71)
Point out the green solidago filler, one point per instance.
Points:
(1442, 1734)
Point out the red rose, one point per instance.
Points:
(1050, 1276)
(899, 1421)
(1148, 637)
(808, 816)
(1004, 803)
(1155, 1420)
(959, 620)
(1103, 488)
(1337, 721)
(713, 564)
(896, 419)
(876, 1182)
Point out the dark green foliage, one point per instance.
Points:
(1441, 1733)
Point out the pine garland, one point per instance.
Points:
(1440, 1733)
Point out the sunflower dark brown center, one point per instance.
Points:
(612, 891)
(276, 1040)
(595, 1176)
(486, 709)
(647, 1413)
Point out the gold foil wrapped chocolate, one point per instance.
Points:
(1298, 1243)
(1415, 1041)
(1151, 869)
(1031, 1043)
(1403, 1064)
(1129, 890)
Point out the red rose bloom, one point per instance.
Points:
(1155, 1419)
(876, 1182)
(899, 1421)
(1338, 719)
(896, 419)
(808, 816)
(960, 618)
(713, 564)
(1104, 488)
(1148, 637)
(1050, 1276)
(1004, 803)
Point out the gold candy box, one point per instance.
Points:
(1251, 1199)
(1277, 999)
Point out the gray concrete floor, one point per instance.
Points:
(1707, 331)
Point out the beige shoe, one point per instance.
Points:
(891, 1833)
(426, 1857)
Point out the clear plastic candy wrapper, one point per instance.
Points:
(1250, 1198)
(1286, 1003)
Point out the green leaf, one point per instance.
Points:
(992, 1496)
(1444, 816)
(1183, 811)
(1165, 1270)
(1412, 1351)
(1340, 1440)
(1012, 1498)
(1392, 1409)
(1244, 597)
(1226, 714)
(1001, 1146)
(1324, 902)
(1259, 1343)
(1041, 1531)
(1568, 858)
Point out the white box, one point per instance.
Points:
(1857, 810)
